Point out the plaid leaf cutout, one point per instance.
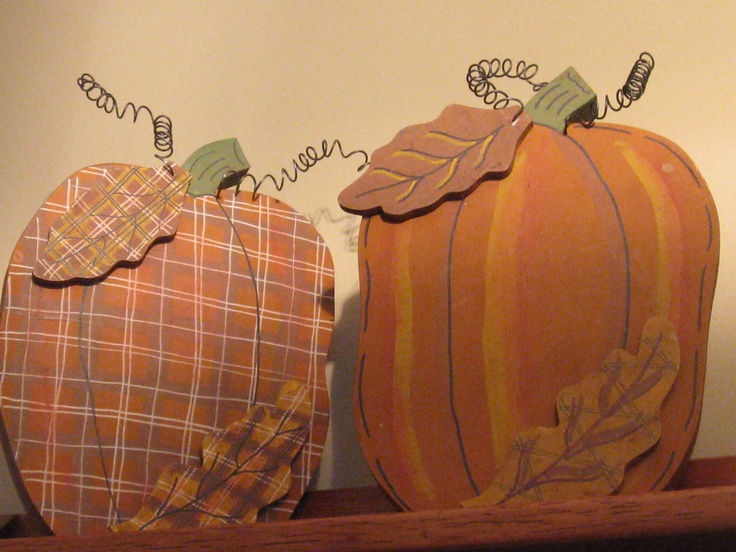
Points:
(244, 468)
(605, 422)
(115, 221)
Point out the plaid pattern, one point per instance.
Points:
(104, 385)
(243, 468)
(117, 220)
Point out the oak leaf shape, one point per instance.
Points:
(605, 422)
(429, 163)
(116, 220)
(244, 468)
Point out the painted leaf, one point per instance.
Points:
(215, 165)
(605, 422)
(427, 164)
(116, 221)
(244, 468)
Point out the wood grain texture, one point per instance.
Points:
(618, 517)
(694, 517)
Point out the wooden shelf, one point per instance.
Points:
(699, 515)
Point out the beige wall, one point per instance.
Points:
(280, 76)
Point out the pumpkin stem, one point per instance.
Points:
(566, 98)
(216, 166)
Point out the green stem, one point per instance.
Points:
(567, 98)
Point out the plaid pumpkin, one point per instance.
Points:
(103, 385)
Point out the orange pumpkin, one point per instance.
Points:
(477, 309)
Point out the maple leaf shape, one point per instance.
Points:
(605, 422)
(429, 163)
(114, 221)
(244, 468)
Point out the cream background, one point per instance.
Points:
(281, 76)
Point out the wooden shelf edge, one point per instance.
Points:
(669, 513)
(703, 473)
(699, 474)
(367, 520)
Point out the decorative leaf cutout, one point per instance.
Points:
(117, 220)
(426, 164)
(244, 468)
(606, 421)
(220, 164)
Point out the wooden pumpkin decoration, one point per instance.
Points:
(129, 342)
(503, 255)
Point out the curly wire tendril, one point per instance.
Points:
(481, 74)
(301, 164)
(632, 90)
(163, 139)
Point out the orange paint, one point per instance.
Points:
(522, 288)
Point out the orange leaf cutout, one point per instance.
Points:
(115, 221)
(244, 468)
(606, 421)
(427, 164)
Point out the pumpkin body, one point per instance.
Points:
(106, 384)
(477, 314)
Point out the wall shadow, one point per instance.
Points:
(349, 468)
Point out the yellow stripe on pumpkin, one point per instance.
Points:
(501, 289)
(406, 437)
(669, 234)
